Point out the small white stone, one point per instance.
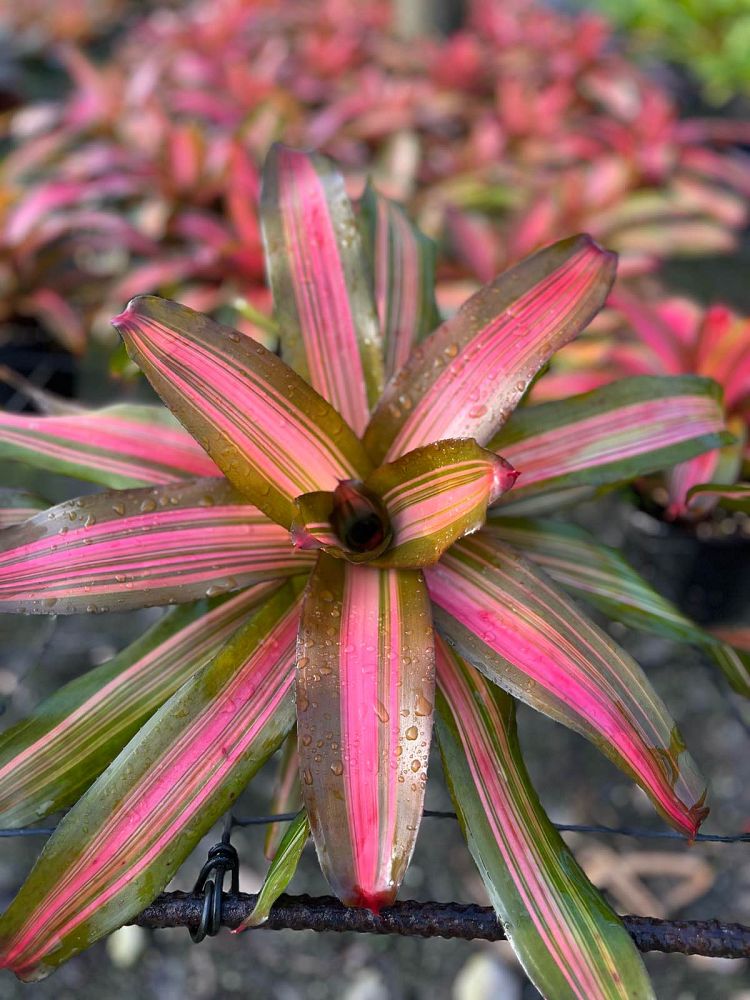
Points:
(485, 977)
(126, 946)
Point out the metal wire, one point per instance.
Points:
(618, 831)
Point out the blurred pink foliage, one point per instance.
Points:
(522, 128)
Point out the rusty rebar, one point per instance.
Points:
(711, 938)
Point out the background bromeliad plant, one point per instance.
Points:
(672, 336)
(349, 551)
(521, 128)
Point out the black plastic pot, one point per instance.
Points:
(704, 570)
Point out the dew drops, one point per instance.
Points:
(415, 765)
(424, 707)
(411, 733)
(90, 521)
(326, 595)
(337, 767)
(307, 776)
(382, 712)
(306, 740)
(118, 508)
(477, 411)
(148, 505)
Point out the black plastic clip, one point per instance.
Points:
(222, 858)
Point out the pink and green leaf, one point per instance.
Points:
(281, 871)
(615, 433)
(483, 359)
(321, 282)
(18, 505)
(365, 692)
(137, 548)
(599, 575)
(49, 759)
(735, 496)
(270, 433)
(121, 844)
(719, 468)
(403, 263)
(513, 624)
(287, 796)
(570, 942)
(118, 446)
(431, 497)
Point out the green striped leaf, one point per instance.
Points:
(466, 378)
(615, 433)
(321, 282)
(50, 758)
(123, 841)
(403, 263)
(287, 796)
(509, 621)
(569, 941)
(735, 497)
(365, 691)
(117, 446)
(137, 548)
(18, 505)
(600, 575)
(269, 432)
(281, 872)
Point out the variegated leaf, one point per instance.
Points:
(623, 430)
(281, 872)
(321, 282)
(270, 433)
(137, 548)
(18, 505)
(287, 796)
(427, 500)
(50, 758)
(600, 575)
(365, 689)
(510, 622)
(569, 941)
(121, 844)
(403, 261)
(465, 380)
(118, 446)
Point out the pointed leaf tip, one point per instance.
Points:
(468, 376)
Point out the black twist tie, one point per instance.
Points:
(222, 858)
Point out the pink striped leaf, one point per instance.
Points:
(365, 688)
(117, 446)
(18, 505)
(271, 434)
(403, 261)
(123, 841)
(570, 942)
(627, 429)
(427, 500)
(599, 575)
(287, 796)
(138, 548)
(466, 379)
(49, 759)
(321, 282)
(510, 622)
(735, 496)
(282, 869)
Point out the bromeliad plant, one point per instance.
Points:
(328, 539)
(674, 336)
